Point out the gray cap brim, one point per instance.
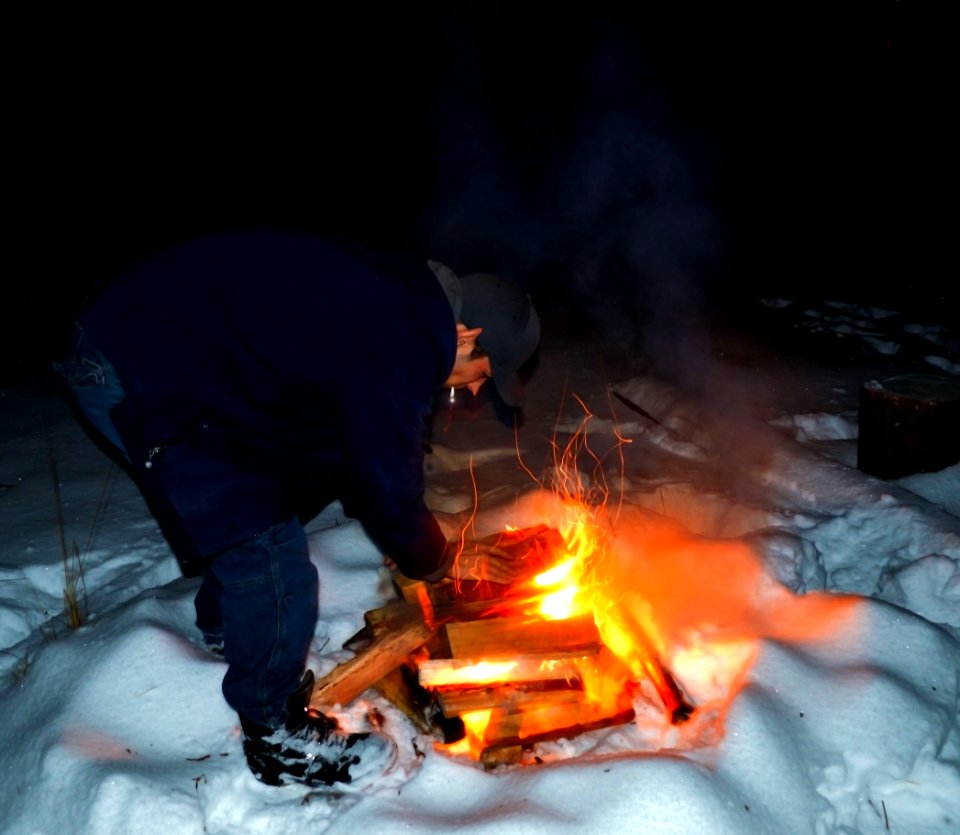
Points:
(511, 329)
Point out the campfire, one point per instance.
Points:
(492, 669)
(611, 595)
(620, 609)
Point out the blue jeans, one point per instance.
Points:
(263, 593)
(260, 596)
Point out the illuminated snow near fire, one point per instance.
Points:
(812, 615)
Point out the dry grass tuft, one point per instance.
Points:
(74, 588)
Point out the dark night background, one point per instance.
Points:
(624, 165)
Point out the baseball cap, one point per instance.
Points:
(511, 328)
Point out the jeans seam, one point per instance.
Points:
(279, 594)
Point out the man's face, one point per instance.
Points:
(468, 371)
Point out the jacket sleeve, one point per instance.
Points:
(383, 438)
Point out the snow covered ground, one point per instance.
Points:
(813, 613)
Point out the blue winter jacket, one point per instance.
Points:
(270, 373)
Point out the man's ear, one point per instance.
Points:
(467, 335)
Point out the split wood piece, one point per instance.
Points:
(525, 727)
(396, 690)
(381, 621)
(469, 672)
(377, 622)
(521, 635)
(528, 695)
(387, 652)
(454, 599)
(600, 672)
(410, 590)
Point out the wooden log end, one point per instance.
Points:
(387, 652)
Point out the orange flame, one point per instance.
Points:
(655, 591)
(475, 724)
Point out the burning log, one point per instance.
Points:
(466, 672)
(515, 696)
(388, 618)
(522, 635)
(523, 726)
(678, 708)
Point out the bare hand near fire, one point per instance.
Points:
(479, 561)
(482, 561)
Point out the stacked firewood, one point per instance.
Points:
(447, 653)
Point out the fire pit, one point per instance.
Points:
(491, 669)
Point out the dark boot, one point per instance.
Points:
(311, 749)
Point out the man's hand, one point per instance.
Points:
(478, 561)
(481, 561)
